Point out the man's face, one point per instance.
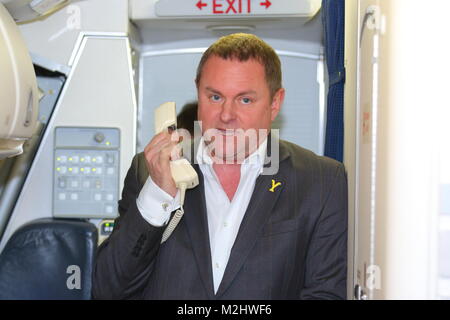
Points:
(235, 95)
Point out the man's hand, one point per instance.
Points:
(158, 153)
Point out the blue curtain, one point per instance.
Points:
(333, 16)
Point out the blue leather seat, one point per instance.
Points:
(49, 259)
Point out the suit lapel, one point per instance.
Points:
(197, 226)
(261, 205)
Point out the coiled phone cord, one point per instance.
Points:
(176, 217)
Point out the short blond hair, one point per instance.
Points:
(243, 47)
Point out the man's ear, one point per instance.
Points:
(277, 102)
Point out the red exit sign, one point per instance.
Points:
(229, 6)
(236, 8)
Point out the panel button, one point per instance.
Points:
(109, 209)
(62, 196)
(62, 159)
(74, 196)
(74, 184)
(99, 137)
(98, 197)
(62, 182)
(110, 158)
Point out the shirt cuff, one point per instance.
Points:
(156, 205)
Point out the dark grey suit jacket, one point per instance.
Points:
(292, 243)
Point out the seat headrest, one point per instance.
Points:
(43, 258)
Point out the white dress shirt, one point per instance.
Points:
(224, 216)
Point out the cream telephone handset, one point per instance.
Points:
(182, 172)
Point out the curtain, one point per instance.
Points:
(333, 17)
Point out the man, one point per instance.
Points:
(244, 234)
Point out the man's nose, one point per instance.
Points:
(228, 112)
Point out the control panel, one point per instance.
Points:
(86, 172)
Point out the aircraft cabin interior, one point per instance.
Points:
(81, 79)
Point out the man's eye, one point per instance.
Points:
(215, 98)
(246, 100)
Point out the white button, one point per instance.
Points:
(75, 159)
(62, 182)
(110, 171)
(110, 197)
(74, 196)
(87, 170)
(99, 170)
(217, 265)
(74, 184)
(86, 184)
(62, 196)
(63, 159)
(109, 209)
(63, 170)
(75, 170)
(87, 159)
(99, 159)
(110, 159)
(98, 197)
